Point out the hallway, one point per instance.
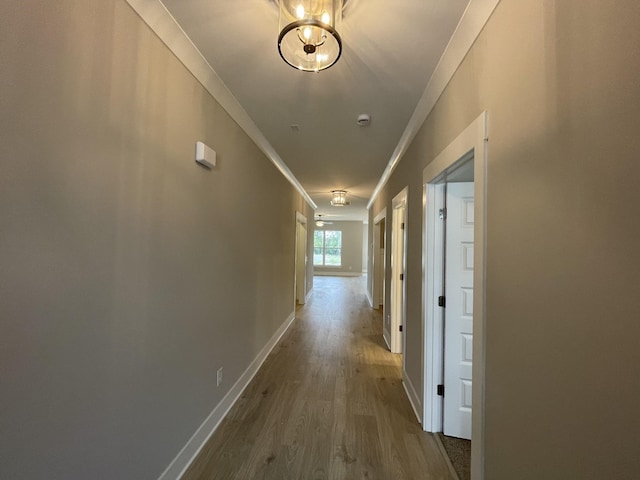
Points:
(328, 403)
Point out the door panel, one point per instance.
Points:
(459, 310)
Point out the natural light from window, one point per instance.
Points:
(327, 248)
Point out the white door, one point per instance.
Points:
(458, 329)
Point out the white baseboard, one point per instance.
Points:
(414, 399)
(308, 296)
(183, 460)
(385, 336)
(369, 299)
(337, 274)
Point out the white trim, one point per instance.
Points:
(162, 23)
(412, 395)
(398, 266)
(189, 452)
(380, 215)
(433, 242)
(301, 218)
(369, 299)
(302, 221)
(336, 274)
(308, 295)
(471, 24)
(473, 139)
(385, 337)
(375, 297)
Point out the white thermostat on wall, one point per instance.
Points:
(205, 156)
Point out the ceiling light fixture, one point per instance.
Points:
(339, 198)
(320, 222)
(309, 39)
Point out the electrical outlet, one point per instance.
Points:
(219, 377)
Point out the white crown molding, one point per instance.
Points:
(471, 24)
(162, 23)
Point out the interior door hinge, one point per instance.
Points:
(402, 276)
(400, 327)
(442, 302)
(402, 225)
(440, 390)
(443, 213)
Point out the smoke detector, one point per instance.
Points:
(364, 119)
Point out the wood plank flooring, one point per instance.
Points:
(328, 403)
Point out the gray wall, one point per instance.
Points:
(559, 80)
(128, 274)
(352, 234)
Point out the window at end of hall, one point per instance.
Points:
(327, 248)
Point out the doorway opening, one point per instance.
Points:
(453, 282)
(398, 269)
(378, 274)
(455, 196)
(301, 260)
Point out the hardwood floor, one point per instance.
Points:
(328, 403)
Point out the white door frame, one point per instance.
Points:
(433, 284)
(471, 142)
(300, 295)
(398, 267)
(378, 269)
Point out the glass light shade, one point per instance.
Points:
(309, 39)
(339, 198)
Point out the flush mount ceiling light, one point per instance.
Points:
(339, 198)
(309, 39)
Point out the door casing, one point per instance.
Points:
(378, 283)
(300, 282)
(398, 268)
(470, 143)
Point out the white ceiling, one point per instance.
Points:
(391, 49)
